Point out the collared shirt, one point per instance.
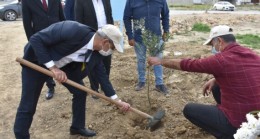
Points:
(237, 72)
(100, 13)
(153, 11)
(47, 1)
(76, 56)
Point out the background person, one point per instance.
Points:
(37, 15)
(154, 13)
(69, 10)
(96, 14)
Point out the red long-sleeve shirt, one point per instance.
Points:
(237, 72)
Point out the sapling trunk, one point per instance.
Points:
(153, 46)
(148, 86)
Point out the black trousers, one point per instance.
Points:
(32, 83)
(50, 83)
(94, 83)
(210, 118)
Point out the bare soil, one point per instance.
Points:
(53, 117)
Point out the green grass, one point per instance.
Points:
(201, 27)
(249, 40)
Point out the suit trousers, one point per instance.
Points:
(210, 118)
(50, 83)
(32, 83)
(94, 83)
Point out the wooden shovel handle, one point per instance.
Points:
(79, 86)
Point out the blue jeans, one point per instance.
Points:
(140, 50)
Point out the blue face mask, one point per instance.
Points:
(214, 51)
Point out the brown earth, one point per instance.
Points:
(53, 117)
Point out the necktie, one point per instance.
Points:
(88, 52)
(44, 4)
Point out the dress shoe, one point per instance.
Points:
(83, 132)
(94, 96)
(49, 94)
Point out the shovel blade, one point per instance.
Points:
(157, 117)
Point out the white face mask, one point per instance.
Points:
(214, 51)
(106, 53)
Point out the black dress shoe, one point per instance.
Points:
(82, 132)
(94, 96)
(49, 94)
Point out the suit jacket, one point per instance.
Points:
(69, 10)
(64, 38)
(35, 18)
(85, 12)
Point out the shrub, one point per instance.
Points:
(200, 27)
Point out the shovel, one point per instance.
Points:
(153, 121)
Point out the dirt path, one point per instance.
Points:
(53, 117)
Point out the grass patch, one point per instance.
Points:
(250, 40)
(201, 27)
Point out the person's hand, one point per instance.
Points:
(154, 61)
(165, 36)
(59, 75)
(124, 106)
(207, 87)
(131, 42)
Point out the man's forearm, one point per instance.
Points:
(171, 63)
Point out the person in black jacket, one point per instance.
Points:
(64, 48)
(69, 10)
(95, 13)
(37, 15)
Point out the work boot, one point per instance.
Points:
(140, 86)
(49, 94)
(162, 88)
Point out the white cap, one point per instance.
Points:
(218, 31)
(115, 35)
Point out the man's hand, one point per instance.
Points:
(165, 36)
(59, 75)
(207, 87)
(124, 106)
(131, 42)
(154, 61)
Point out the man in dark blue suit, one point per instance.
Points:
(70, 50)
